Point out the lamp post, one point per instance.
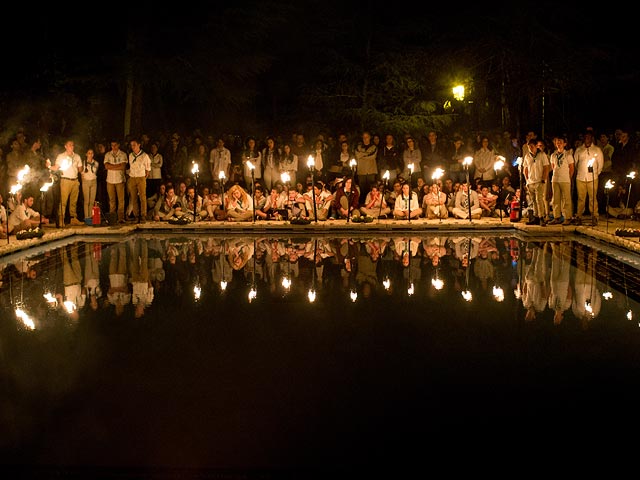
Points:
(466, 163)
(252, 167)
(607, 188)
(222, 178)
(631, 176)
(353, 164)
(195, 170)
(311, 163)
(410, 167)
(497, 166)
(437, 175)
(43, 189)
(385, 177)
(594, 218)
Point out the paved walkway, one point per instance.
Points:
(603, 231)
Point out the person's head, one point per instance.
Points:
(90, 154)
(69, 146)
(588, 138)
(533, 146)
(506, 181)
(405, 189)
(27, 200)
(432, 136)
(347, 184)
(389, 140)
(366, 137)
(397, 187)
(135, 145)
(560, 143)
(115, 145)
(410, 143)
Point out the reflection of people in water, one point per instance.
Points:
(536, 289)
(434, 248)
(72, 276)
(118, 294)
(92, 275)
(141, 287)
(587, 300)
(239, 252)
(561, 295)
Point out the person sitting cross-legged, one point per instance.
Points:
(24, 216)
(466, 203)
(407, 205)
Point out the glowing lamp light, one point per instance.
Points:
(285, 177)
(311, 295)
(69, 306)
(467, 162)
(353, 163)
(15, 188)
(250, 165)
(197, 291)
(354, 295)
(410, 290)
(49, 298)
(195, 168)
(631, 175)
(221, 176)
(252, 294)
(23, 173)
(629, 315)
(498, 293)
(311, 162)
(607, 295)
(286, 283)
(46, 186)
(25, 319)
(437, 283)
(437, 174)
(518, 162)
(588, 308)
(609, 185)
(411, 167)
(458, 92)
(386, 283)
(467, 295)
(223, 285)
(499, 163)
(591, 162)
(517, 293)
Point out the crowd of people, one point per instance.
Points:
(359, 178)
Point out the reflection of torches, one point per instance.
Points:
(51, 300)
(498, 293)
(25, 318)
(311, 294)
(197, 291)
(386, 283)
(69, 306)
(223, 282)
(354, 295)
(252, 291)
(437, 282)
(410, 289)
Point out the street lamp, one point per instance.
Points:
(437, 175)
(252, 167)
(410, 167)
(195, 170)
(497, 166)
(385, 177)
(311, 163)
(607, 188)
(466, 163)
(222, 178)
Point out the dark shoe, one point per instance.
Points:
(534, 221)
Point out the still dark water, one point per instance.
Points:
(414, 348)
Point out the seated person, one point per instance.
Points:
(346, 200)
(487, 201)
(274, 206)
(374, 204)
(239, 205)
(323, 198)
(434, 203)
(406, 205)
(212, 204)
(466, 203)
(24, 216)
(168, 207)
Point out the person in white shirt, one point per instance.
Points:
(115, 162)
(407, 204)
(589, 161)
(562, 166)
(536, 171)
(24, 216)
(69, 164)
(220, 160)
(89, 182)
(139, 169)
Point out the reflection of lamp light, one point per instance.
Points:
(285, 177)
(311, 295)
(458, 93)
(252, 294)
(354, 295)
(607, 295)
(286, 283)
(25, 319)
(311, 163)
(466, 294)
(386, 283)
(69, 306)
(410, 289)
(197, 291)
(517, 293)
(437, 282)
(498, 293)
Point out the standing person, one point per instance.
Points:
(115, 161)
(483, 161)
(389, 158)
(366, 154)
(589, 162)
(562, 166)
(155, 176)
(271, 161)
(289, 163)
(251, 153)
(139, 169)
(220, 161)
(89, 182)
(536, 171)
(411, 155)
(69, 164)
(433, 155)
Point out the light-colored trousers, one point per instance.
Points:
(587, 191)
(561, 199)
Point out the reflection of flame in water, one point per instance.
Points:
(498, 293)
(437, 283)
(467, 295)
(386, 283)
(69, 306)
(607, 295)
(286, 283)
(410, 290)
(26, 320)
(311, 295)
(223, 285)
(49, 297)
(252, 294)
(196, 292)
(354, 295)
(629, 315)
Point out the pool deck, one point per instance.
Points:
(604, 231)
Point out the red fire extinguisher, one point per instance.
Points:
(95, 215)
(514, 215)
